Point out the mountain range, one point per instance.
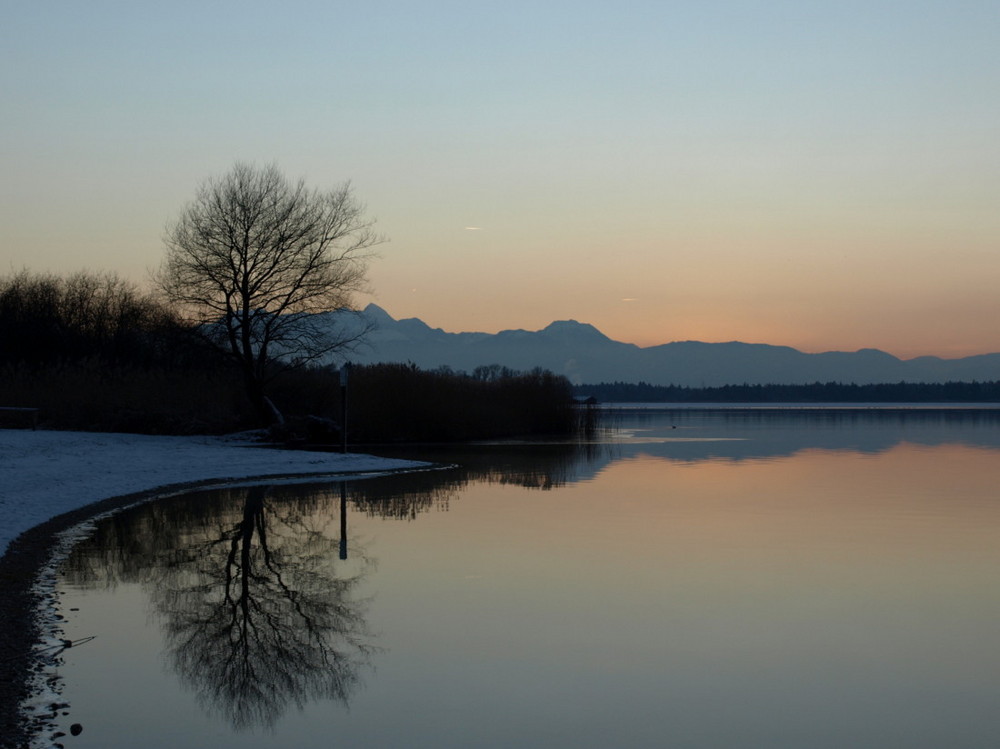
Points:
(585, 355)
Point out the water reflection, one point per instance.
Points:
(729, 433)
(256, 615)
(629, 591)
(255, 589)
(531, 466)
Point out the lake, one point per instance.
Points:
(694, 578)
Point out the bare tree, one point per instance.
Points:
(253, 259)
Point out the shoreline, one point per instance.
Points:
(52, 481)
(23, 596)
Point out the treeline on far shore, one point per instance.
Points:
(817, 392)
(92, 352)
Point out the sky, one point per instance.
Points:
(812, 174)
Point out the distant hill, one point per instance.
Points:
(584, 354)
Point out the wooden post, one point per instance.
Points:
(344, 372)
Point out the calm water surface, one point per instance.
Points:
(702, 579)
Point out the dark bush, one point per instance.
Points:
(93, 352)
(399, 402)
(91, 395)
(46, 319)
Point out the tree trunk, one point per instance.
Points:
(267, 413)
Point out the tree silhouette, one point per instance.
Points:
(254, 257)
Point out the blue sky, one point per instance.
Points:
(821, 175)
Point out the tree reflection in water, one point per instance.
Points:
(255, 615)
(260, 610)
(258, 620)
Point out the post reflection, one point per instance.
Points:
(343, 520)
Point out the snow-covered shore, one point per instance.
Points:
(43, 473)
